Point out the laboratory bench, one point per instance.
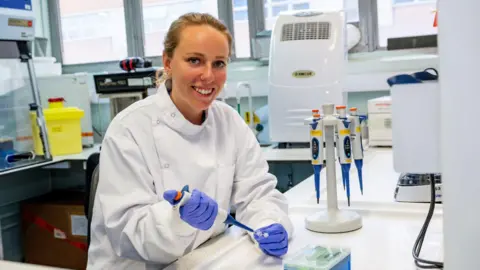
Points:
(384, 242)
(57, 161)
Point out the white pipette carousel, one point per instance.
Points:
(332, 219)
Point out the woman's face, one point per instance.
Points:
(198, 68)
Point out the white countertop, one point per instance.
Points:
(81, 156)
(384, 242)
(290, 154)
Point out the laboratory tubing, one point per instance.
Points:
(344, 147)
(316, 147)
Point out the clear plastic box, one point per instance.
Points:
(315, 257)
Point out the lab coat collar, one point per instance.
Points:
(170, 115)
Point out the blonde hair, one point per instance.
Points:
(172, 39)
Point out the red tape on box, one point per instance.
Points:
(57, 233)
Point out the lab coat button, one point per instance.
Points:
(173, 114)
(166, 166)
(158, 122)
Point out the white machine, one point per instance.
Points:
(412, 187)
(380, 121)
(307, 67)
(125, 88)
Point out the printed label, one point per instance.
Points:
(59, 234)
(57, 129)
(315, 149)
(79, 225)
(316, 133)
(347, 146)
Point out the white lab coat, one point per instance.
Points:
(150, 147)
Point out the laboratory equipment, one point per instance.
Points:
(316, 42)
(261, 42)
(316, 148)
(183, 196)
(344, 147)
(357, 142)
(63, 126)
(416, 145)
(332, 219)
(380, 121)
(238, 96)
(17, 31)
(125, 88)
(416, 154)
(316, 257)
(132, 63)
(75, 89)
(415, 188)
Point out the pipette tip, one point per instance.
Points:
(359, 165)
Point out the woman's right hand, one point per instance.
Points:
(199, 211)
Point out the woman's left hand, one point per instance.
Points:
(276, 243)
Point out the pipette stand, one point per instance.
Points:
(332, 219)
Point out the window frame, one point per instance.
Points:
(412, 3)
(368, 25)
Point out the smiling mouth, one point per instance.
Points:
(203, 91)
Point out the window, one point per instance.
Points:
(241, 28)
(403, 18)
(159, 14)
(92, 31)
(411, 1)
(301, 6)
(274, 7)
(239, 3)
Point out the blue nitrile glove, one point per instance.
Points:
(276, 244)
(200, 211)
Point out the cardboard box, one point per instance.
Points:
(54, 230)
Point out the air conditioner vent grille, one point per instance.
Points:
(305, 31)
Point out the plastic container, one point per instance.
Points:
(315, 257)
(63, 126)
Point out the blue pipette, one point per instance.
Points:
(344, 147)
(359, 165)
(316, 147)
(346, 177)
(183, 196)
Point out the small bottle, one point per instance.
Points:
(132, 63)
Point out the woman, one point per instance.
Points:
(182, 136)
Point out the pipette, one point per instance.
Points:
(316, 147)
(357, 144)
(183, 196)
(344, 147)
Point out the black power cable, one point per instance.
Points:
(417, 247)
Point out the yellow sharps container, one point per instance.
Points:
(63, 126)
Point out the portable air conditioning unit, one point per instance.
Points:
(307, 66)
